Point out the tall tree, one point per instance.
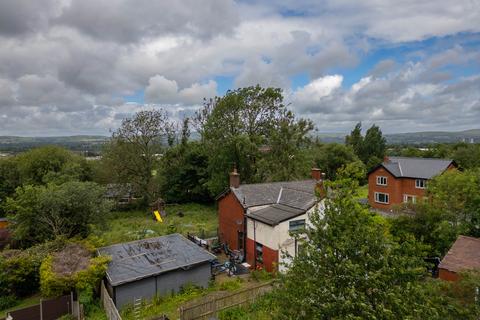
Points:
(234, 127)
(366, 276)
(355, 139)
(134, 149)
(374, 147)
(331, 157)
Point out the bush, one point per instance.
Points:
(8, 302)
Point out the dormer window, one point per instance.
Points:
(381, 181)
(420, 183)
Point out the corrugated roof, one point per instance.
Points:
(275, 213)
(420, 168)
(463, 255)
(258, 194)
(144, 258)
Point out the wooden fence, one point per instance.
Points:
(210, 306)
(50, 309)
(108, 305)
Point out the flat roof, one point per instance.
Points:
(140, 259)
(463, 255)
(275, 213)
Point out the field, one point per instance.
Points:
(126, 226)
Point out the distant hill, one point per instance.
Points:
(416, 138)
(15, 144)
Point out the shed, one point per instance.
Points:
(464, 255)
(156, 266)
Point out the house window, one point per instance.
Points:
(381, 181)
(409, 199)
(420, 183)
(296, 225)
(259, 252)
(381, 197)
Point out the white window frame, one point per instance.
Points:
(420, 183)
(377, 197)
(379, 181)
(406, 196)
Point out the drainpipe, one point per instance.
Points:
(254, 245)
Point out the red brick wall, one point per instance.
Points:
(270, 257)
(393, 188)
(229, 212)
(444, 274)
(3, 224)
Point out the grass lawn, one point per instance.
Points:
(362, 192)
(123, 226)
(26, 302)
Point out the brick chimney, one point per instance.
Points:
(316, 174)
(234, 178)
(386, 159)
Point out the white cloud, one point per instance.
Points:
(161, 90)
(313, 93)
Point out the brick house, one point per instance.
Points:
(256, 218)
(463, 255)
(399, 180)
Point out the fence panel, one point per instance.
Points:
(209, 307)
(108, 305)
(55, 308)
(30, 313)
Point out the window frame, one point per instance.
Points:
(379, 178)
(259, 252)
(377, 198)
(423, 183)
(413, 197)
(300, 225)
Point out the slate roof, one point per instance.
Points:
(275, 213)
(463, 255)
(140, 259)
(418, 168)
(296, 193)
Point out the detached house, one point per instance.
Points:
(402, 180)
(258, 219)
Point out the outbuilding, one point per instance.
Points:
(464, 255)
(157, 266)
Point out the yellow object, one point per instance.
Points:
(157, 216)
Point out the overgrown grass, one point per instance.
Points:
(23, 303)
(126, 226)
(170, 304)
(265, 308)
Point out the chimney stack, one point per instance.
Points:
(386, 159)
(316, 174)
(234, 178)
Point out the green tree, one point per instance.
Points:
(9, 180)
(351, 268)
(41, 213)
(331, 157)
(133, 152)
(183, 174)
(355, 139)
(235, 126)
(51, 163)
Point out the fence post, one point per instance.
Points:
(41, 309)
(181, 312)
(214, 309)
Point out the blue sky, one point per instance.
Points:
(403, 65)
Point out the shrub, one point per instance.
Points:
(7, 301)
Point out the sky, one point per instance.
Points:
(72, 67)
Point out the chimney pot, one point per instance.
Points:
(234, 178)
(386, 159)
(317, 174)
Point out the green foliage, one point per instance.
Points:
(8, 301)
(131, 155)
(52, 164)
(371, 148)
(332, 157)
(41, 213)
(366, 276)
(453, 209)
(9, 180)
(354, 170)
(19, 270)
(183, 174)
(458, 299)
(234, 128)
(83, 281)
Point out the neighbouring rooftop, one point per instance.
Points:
(463, 255)
(419, 168)
(140, 259)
